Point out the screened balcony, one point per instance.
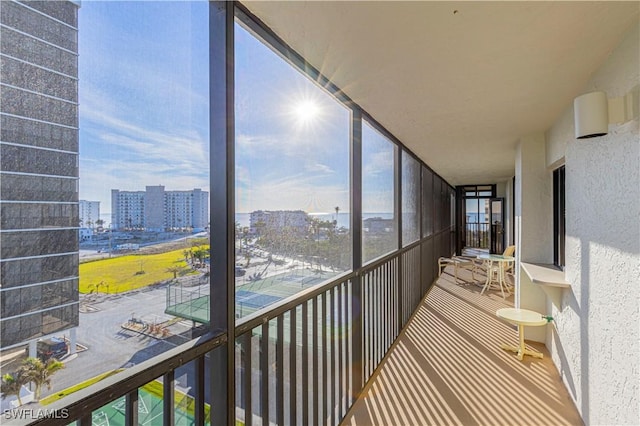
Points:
(284, 312)
(432, 361)
(447, 367)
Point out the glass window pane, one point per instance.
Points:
(427, 202)
(410, 199)
(379, 224)
(97, 296)
(437, 200)
(292, 179)
(472, 211)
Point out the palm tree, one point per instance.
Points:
(40, 373)
(12, 385)
(175, 270)
(201, 253)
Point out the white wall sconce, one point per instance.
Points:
(591, 115)
(593, 112)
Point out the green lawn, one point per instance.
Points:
(56, 396)
(123, 273)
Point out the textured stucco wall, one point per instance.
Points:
(534, 210)
(534, 200)
(596, 339)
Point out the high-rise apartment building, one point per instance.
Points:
(89, 213)
(186, 208)
(154, 208)
(127, 209)
(39, 169)
(157, 210)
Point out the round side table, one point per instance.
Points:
(522, 318)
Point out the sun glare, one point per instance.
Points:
(306, 111)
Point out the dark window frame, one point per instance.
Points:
(559, 217)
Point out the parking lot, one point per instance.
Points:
(109, 345)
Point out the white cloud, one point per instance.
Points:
(291, 193)
(250, 144)
(319, 168)
(378, 162)
(99, 177)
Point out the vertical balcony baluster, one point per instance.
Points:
(293, 367)
(280, 371)
(341, 335)
(131, 409)
(199, 390)
(168, 398)
(325, 357)
(247, 379)
(305, 364)
(332, 358)
(264, 373)
(315, 396)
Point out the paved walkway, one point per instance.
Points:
(447, 368)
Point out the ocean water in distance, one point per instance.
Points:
(343, 218)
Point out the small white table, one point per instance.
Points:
(522, 318)
(500, 259)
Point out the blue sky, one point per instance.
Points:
(143, 70)
(144, 116)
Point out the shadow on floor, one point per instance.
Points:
(447, 368)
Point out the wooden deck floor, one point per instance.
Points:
(447, 368)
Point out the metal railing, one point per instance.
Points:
(303, 360)
(477, 234)
(380, 312)
(83, 404)
(293, 359)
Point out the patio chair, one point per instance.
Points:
(509, 251)
(494, 269)
(457, 262)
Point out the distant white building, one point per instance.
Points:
(187, 209)
(155, 209)
(85, 234)
(378, 225)
(89, 212)
(295, 220)
(127, 209)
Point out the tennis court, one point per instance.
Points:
(285, 284)
(250, 297)
(195, 309)
(150, 409)
(256, 295)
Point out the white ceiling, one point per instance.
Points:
(457, 82)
